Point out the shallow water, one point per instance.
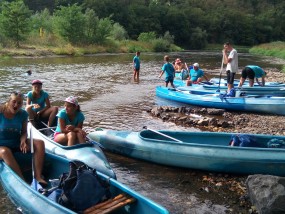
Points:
(110, 99)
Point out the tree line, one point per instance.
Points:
(191, 24)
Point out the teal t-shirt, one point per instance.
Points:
(137, 62)
(258, 72)
(41, 100)
(196, 74)
(79, 118)
(10, 129)
(168, 70)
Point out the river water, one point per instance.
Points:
(110, 98)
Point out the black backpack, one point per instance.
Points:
(82, 188)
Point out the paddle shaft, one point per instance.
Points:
(221, 72)
(32, 151)
(164, 135)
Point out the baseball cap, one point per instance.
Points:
(196, 65)
(34, 82)
(72, 100)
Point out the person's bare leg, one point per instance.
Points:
(7, 156)
(241, 82)
(80, 138)
(52, 115)
(32, 114)
(39, 159)
(251, 82)
(71, 138)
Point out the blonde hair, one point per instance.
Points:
(13, 94)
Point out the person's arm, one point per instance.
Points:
(227, 59)
(63, 127)
(161, 73)
(28, 102)
(263, 80)
(23, 138)
(206, 78)
(47, 102)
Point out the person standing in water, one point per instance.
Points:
(136, 66)
(169, 71)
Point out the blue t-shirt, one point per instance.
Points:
(41, 100)
(10, 129)
(258, 72)
(196, 74)
(137, 63)
(168, 70)
(79, 118)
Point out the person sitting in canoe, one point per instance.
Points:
(169, 71)
(178, 65)
(196, 75)
(13, 136)
(251, 72)
(38, 104)
(70, 122)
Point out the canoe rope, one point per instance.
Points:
(110, 205)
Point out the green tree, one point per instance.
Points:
(103, 30)
(118, 32)
(70, 23)
(147, 36)
(15, 20)
(91, 24)
(42, 19)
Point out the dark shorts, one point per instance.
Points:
(136, 70)
(230, 77)
(247, 73)
(169, 79)
(15, 149)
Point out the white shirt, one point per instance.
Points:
(233, 65)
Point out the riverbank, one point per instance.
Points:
(218, 120)
(226, 121)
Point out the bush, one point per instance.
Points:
(161, 45)
(147, 37)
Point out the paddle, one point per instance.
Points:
(34, 182)
(221, 73)
(164, 135)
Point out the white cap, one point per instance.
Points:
(196, 65)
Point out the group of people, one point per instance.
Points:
(192, 74)
(14, 119)
(195, 75)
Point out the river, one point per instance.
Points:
(110, 98)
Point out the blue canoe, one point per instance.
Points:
(223, 82)
(30, 201)
(197, 150)
(271, 88)
(251, 103)
(206, 89)
(89, 153)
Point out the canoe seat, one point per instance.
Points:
(110, 205)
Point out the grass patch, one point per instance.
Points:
(274, 49)
(219, 47)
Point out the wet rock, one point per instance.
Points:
(156, 111)
(267, 193)
(203, 122)
(213, 111)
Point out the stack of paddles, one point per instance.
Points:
(110, 205)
